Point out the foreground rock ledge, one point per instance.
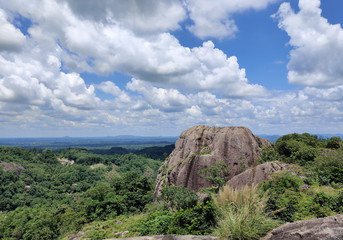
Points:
(329, 228)
(170, 237)
(202, 146)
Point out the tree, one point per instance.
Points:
(178, 197)
(298, 148)
(217, 174)
(334, 143)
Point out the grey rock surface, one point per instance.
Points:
(7, 167)
(255, 175)
(202, 146)
(329, 228)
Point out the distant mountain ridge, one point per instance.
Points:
(65, 142)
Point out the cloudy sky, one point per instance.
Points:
(158, 67)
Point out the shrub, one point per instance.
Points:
(156, 223)
(284, 194)
(178, 197)
(334, 143)
(329, 167)
(242, 213)
(217, 174)
(268, 154)
(323, 205)
(291, 204)
(298, 148)
(198, 220)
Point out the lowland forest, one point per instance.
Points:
(104, 190)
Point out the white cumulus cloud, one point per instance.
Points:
(11, 38)
(214, 18)
(317, 53)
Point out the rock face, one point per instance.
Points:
(329, 228)
(7, 167)
(202, 146)
(170, 237)
(257, 174)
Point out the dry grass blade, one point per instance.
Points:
(241, 213)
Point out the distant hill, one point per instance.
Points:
(91, 142)
(271, 138)
(156, 152)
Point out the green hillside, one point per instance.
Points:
(56, 195)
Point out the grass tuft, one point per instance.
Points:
(242, 213)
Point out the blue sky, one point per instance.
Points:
(155, 68)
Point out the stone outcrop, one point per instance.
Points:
(202, 146)
(7, 167)
(170, 237)
(65, 161)
(329, 228)
(262, 172)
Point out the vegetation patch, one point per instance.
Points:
(242, 213)
(217, 174)
(206, 152)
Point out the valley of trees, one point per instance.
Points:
(99, 194)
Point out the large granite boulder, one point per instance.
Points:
(329, 228)
(9, 167)
(202, 146)
(255, 175)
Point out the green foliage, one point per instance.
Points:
(334, 143)
(289, 203)
(62, 198)
(157, 153)
(196, 220)
(268, 154)
(284, 195)
(136, 163)
(126, 162)
(328, 167)
(298, 148)
(178, 197)
(109, 229)
(48, 179)
(217, 174)
(39, 222)
(137, 190)
(156, 223)
(206, 152)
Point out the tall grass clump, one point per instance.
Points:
(242, 213)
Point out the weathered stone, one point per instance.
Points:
(65, 161)
(329, 228)
(121, 234)
(202, 146)
(78, 236)
(170, 237)
(7, 167)
(254, 176)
